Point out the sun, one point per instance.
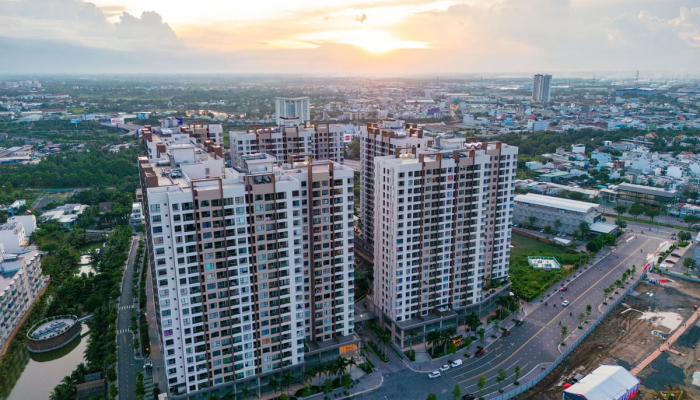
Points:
(371, 40)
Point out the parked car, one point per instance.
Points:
(444, 368)
(564, 288)
(480, 352)
(456, 363)
(468, 397)
(506, 332)
(518, 322)
(565, 303)
(434, 374)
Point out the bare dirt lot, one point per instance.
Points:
(629, 334)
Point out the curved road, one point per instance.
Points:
(534, 344)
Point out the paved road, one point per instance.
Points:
(534, 344)
(128, 365)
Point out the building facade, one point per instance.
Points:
(629, 193)
(297, 107)
(21, 282)
(253, 266)
(442, 229)
(379, 139)
(541, 88)
(547, 210)
(322, 140)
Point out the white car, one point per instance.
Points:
(434, 374)
(565, 303)
(455, 363)
(444, 368)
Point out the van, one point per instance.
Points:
(456, 363)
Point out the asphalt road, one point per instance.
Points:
(534, 344)
(127, 364)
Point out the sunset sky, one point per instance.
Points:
(385, 37)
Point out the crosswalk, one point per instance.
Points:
(120, 331)
(126, 307)
(401, 375)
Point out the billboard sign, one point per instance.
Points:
(116, 121)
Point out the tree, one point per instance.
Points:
(501, 375)
(689, 264)
(618, 283)
(481, 332)
(517, 374)
(431, 396)
(496, 325)
(620, 209)
(581, 318)
(433, 339)
(245, 392)
(557, 224)
(684, 236)
(481, 384)
(548, 230)
(533, 221)
(113, 391)
(691, 219)
(636, 210)
(585, 229)
(652, 213)
(273, 384)
(284, 396)
(456, 392)
(472, 321)
(589, 308)
(564, 331)
(287, 379)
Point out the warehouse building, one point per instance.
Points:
(650, 196)
(547, 210)
(607, 382)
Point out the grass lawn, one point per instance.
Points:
(524, 246)
(529, 282)
(86, 249)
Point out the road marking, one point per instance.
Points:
(558, 315)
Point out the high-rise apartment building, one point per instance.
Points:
(442, 230)
(541, 88)
(322, 140)
(297, 107)
(380, 139)
(252, 266)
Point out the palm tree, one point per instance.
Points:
(433, 339)
(273, 384)
(287, 380)
(447, 335)
(309, 375)
(472, 320)
(411, 335)
(352, 362)
(245, 392)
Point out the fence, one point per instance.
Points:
(679, 276)
(529, 385)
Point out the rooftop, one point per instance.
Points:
(556, 202)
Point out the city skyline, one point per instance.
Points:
(356, 37)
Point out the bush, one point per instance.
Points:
(411, 354)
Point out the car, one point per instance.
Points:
(541, 230)
(564, 288)
(468, 397)
(518, 322)
(506, 332)
(455, 363)
(434, 374)
(444, 368)
(480, 352)
(565, 303)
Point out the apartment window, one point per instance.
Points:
(155, 207)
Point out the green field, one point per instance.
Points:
(528, 282)
(524, 246)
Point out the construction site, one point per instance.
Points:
(643, 335)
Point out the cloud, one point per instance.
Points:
(399, 37)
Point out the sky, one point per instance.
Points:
(349, 37)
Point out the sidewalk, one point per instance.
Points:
(366, 384)
(156, 356)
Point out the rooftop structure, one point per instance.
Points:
(607, 382)
(647, 195)
(562, 215)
